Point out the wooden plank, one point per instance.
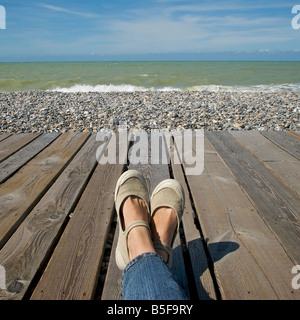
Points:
(27, 249)
(5, 135)
(222, 242)
(249, 262)
(14, 143)
(9, 166)
(20, 194)
(153, 174)
(201, 274)
(178, 266)
(112, 289)
(72, 272)
(282, 165)
(278, 207)
(295, 134)
(285, 141)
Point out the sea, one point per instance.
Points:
(154, 76)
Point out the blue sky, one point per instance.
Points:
(148, 29)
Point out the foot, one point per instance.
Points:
(139, 239)
(163, 227)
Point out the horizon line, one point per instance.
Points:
(79, 61)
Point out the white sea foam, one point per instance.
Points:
(169, 89)
(295, 87)
(100, 88)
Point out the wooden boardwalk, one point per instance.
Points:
(239, 238)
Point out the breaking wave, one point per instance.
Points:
(294, 87)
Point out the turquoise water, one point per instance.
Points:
(133, 76)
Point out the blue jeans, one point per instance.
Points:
(148, 277)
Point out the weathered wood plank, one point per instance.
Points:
(72, 272)
(213, 213)
(3, 136)
(9, 166)
(201, 274)
(153, 174)
(295, 134)
(249, 261)
(278, 207)
(285, 141)
(20, 193)
(14, 143)
(112, 289)
(178, 266)
(24, 253)
(282, 165)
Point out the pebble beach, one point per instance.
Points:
(50, 111)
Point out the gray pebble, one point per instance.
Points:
(41, 111)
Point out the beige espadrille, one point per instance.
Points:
(168, 193)
(130, 183)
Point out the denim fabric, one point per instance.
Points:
(148, 277)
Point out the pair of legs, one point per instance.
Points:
(147, 229)
(147, 276)
(163, 225)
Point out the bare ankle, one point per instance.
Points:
(163, 225)
(139, 241)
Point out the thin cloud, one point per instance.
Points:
(59, 9)
(225, 7)
(163, 33)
